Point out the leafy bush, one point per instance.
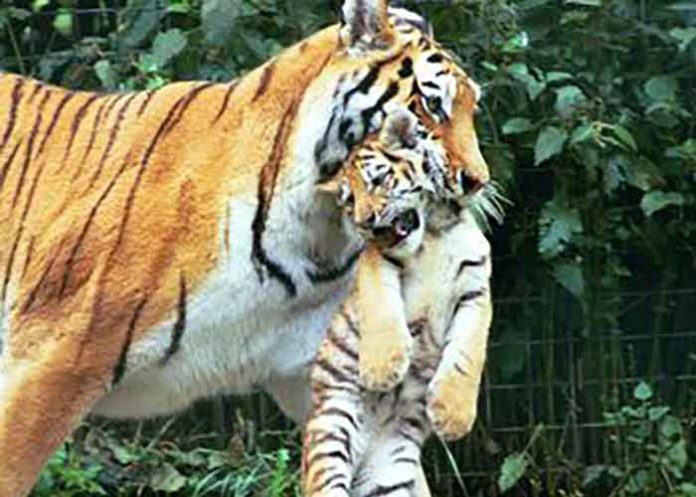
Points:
(587, 121)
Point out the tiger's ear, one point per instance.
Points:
(337, 187)
(400, 129)
(365, 24)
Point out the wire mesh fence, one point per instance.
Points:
(557, 364)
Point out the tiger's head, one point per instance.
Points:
(386, 186)
(388, 58)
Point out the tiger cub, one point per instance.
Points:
(362, 443)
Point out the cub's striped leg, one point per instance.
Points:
(48, 386)
(335, 433)
(386, 345)
(392, 468)
(453, 391)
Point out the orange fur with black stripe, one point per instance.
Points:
(160, 246)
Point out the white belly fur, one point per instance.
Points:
(239, 332)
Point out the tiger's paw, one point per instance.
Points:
(451, 406)
(381, 370)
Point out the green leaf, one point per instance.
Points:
(688, 489)
(683, 36)
(657, 200)
(570, 276)
(661, 88)
(516, 43)
(557, 226)
(63, 22)
(517, 125)
(638, 482)
(166, 478)
(642, 392)
(678, 456)
(671, 428)
(106, 75)
(141, 19)
(549, 143)
(625, 136)
(567, 99)
(167, 45)
(589, 3)
(220, 19)
(555, 76)
(582, 133)
(656, 413)
(513, 468)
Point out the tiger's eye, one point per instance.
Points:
(434, 104)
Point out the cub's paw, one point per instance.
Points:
(451, 406)
(381, 370)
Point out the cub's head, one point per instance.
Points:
(388, 58)
(385, 187)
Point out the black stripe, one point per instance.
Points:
(47, 270)
(347, 388)
(90, 218)
(112, 139)
(146, 101)
(435, 58)
(334, 411)
(265, 81)
(190, 97)
(343, 347)
(6, 167)
(325, 275)
(79, 115)
(403, 433)
(27, 259)
(468, 297)
(334, 372)
(30, 147)
(54, 120)
(367, 114)
(141, 171)
(228, 94)
(471, 263)
(12, 118)
(459, 369)
(349, 321)
(330, 480)
(332, 437)
(179, 325)
(370, 79)
(334, 454)
(266, 187)
(93, 134)
(393, 260)
(382, 490)
(407, 460)
(120, 368)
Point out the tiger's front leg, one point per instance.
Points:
(453, 391)
(386, 346)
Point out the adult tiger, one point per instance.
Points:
(161, 246)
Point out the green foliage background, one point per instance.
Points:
(588, 123)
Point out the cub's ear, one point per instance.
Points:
(400, 129)
(365, 24)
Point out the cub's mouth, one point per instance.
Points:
(398, 230)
